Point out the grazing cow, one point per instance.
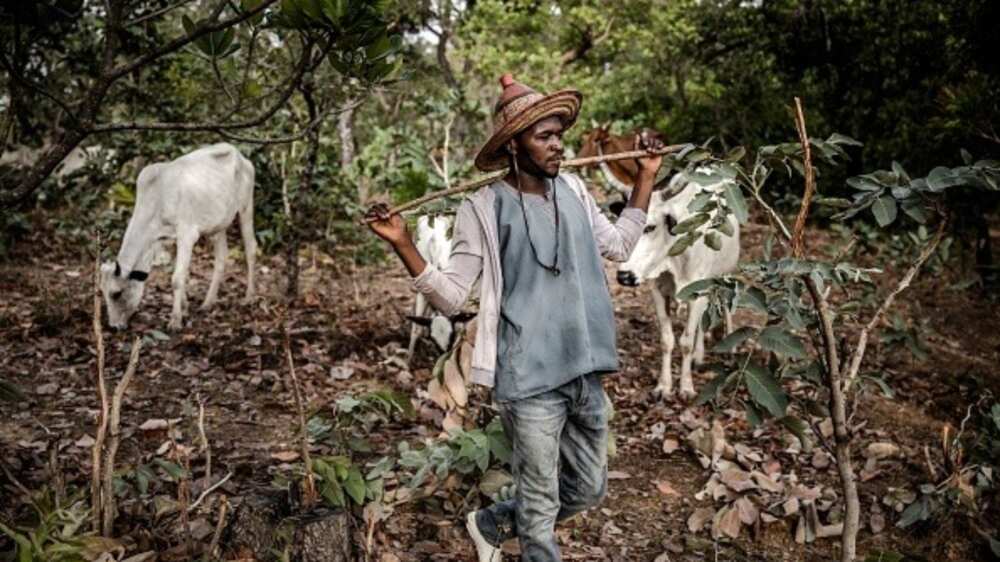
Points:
(434, 244)
(650, 261)
(198, 194)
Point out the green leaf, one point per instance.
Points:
(332, 492)
(884, 209)
(754, 417)
(736, 202)
(691, 223)
(729, 343)
(864, 183)
(158, 335)
(691, 289)
(914, 208)
(835, 202)
(736, 154)
(683, 243)
(765, 390)
(726, 227)
(753, 298)
(355, 485)
(967, 158)
(916, 511)
(711, 390)
(880, 382)
(837, 138)
(798, 429)
(782, 342)
(713, 240)
(173, 469)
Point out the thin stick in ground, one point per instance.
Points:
(107, 492)
(309, 495)
(204, 439)
(96, 497)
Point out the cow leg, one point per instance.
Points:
(185, 245)
(699, 346)
(249, 248)
(665, 385)
(695, 310)
(221, 250)
(419, 309)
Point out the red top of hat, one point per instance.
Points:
(512, 89)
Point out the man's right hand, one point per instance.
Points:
(391, 228)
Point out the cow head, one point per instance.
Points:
(433, 240)
(667, 207)
(443, 328)
(599, 141)
(122, 292)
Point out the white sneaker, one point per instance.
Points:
(486, 551)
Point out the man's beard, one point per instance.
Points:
(529, 165)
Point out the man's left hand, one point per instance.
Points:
(648, 164)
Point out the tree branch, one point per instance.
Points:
(157, 13)
(35, 87)
(800, 220)
(216, 126)
(859, 349)
(308, 128)
(180, 42)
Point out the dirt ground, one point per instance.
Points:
(231, 359)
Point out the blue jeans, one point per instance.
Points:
(560, 465)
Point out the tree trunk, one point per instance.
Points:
(301, 196)
(348, 149)
(848, 483)
(323, 535)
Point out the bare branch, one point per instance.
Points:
(209, 490)
(222, 83)
(800, 220)
(309, 495)
(859, 349)
(308, 128)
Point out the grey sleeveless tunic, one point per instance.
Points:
(553, 329)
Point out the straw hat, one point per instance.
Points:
(518, 108)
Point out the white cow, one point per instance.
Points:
(650, 261)
(197, 194)
(434, 245)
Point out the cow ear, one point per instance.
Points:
(138, 275)
(616, 207)
(424, 321)
(462, 317)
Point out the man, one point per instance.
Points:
(546, 325)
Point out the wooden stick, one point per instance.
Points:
(800, 220)
(96, 497)
(109, 505)
(574, 163)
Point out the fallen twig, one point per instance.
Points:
(219, 526)
(209, 490)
